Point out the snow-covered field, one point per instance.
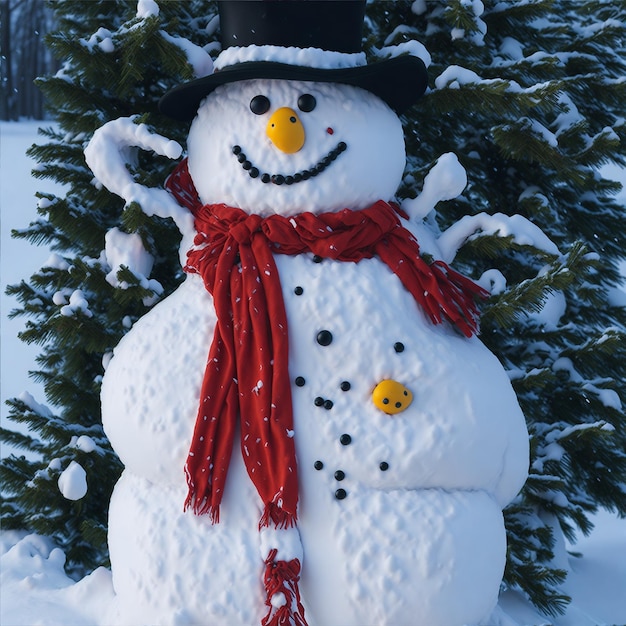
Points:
(34, 589)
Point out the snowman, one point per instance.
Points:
(319, 382)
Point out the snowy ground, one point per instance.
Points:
(33, 587)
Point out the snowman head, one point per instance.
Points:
(294, 119)
(277, 146)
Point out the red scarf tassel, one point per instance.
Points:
(282, 592)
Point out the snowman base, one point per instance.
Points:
(179, 568)
(423, 548)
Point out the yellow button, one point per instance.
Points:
(391, 397)
(285, 130)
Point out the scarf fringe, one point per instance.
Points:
(461, 294)
(274, 513)
(282, 592)
(200, 505)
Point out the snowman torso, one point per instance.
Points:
(422, 490)
(399, 514)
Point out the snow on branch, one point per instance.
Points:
(126, 250)
(411, 47)
(456, 76)
(608, 397)
(565, 431)
(197, 57)
(523, 232)
(147, 8)
(34, 406)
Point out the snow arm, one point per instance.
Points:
(107, 155)
(445, 181)
(524, 233)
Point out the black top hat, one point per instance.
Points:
(334, 26)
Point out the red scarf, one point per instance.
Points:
(247, 374)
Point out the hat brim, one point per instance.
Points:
(399, 81)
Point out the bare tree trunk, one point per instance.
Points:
(24, 57)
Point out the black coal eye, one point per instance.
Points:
(306, 102)
(259, 105)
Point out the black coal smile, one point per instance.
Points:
(279, 179)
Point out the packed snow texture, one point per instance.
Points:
(452, 460)
(73, 481)
(35, 591)
(429, 448)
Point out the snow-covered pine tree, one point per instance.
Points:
(118, 60)
(529, 95)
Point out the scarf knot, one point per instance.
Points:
(242, 230)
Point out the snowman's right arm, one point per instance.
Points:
(109, 152)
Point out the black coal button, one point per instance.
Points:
(324, 337)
